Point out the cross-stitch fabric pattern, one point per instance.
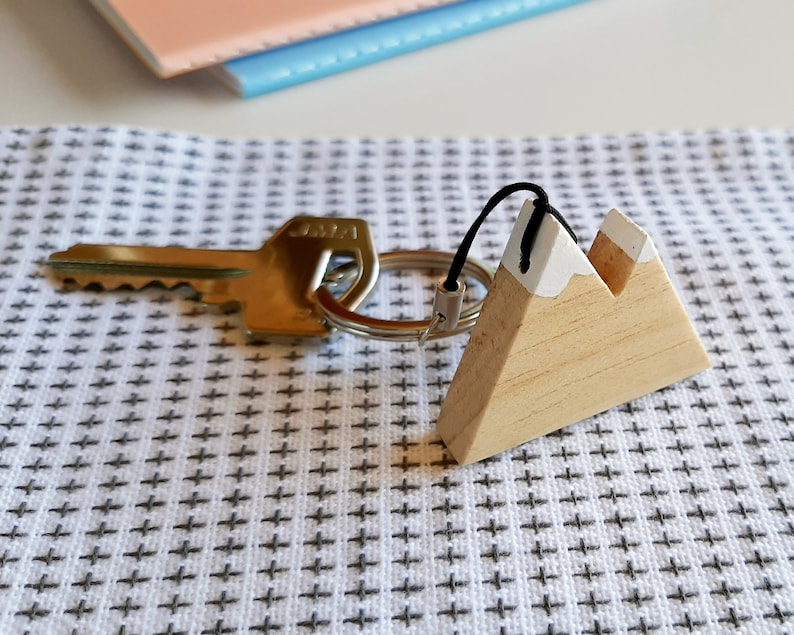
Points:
(159, 473)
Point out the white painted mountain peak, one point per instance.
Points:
(554, 260)
(631, 238)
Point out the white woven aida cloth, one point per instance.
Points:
(159, 474)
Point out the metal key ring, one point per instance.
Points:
(402, 330)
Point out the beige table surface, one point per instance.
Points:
(608, 66)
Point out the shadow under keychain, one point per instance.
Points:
(559, 337)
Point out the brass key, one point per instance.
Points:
(274, 285)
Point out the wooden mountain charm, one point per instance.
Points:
(572, 337)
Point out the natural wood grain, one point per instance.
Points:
(535, 364)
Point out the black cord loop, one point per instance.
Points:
(542, 207)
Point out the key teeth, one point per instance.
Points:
(108, 285)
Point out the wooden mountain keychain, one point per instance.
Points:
(563, 336)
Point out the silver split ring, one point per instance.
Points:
(402, 330)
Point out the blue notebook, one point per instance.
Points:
(313, 59)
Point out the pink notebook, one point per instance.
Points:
(177, 36)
